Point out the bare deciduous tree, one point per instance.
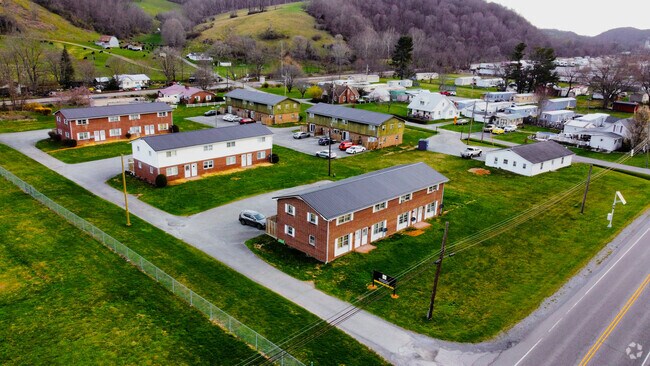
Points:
(29, 54)
(639, 126)
(610, 77)
(173, 33)
(257, 58)
(204, 75)
(340, 53)
(288, 73)
(86, 72)
(168, 60)
(302, 87)
(52, 64)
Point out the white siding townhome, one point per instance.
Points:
(530, 159)
(187, 155)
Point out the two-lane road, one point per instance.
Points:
(606, 322)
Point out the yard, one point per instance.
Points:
(112, 149)
(395, 108)
(68, 300)
(20, 121)
(266, 312)
(640, 160)
(294, 169)
(585, 106)
(489, 286)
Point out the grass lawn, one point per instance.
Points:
(20, 121)
(585, 106)
(638, 160)
(487, 288)
(266, 312)
(180, 114)
(487, 142)
(154, 7)
(280, 91)
(294, 169)
(84, 153)
(465, 128)
(66, 299)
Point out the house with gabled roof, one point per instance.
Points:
(185, 94)
(270, 109)
(432, 106)
(371, 129)
(113, 122)
(332, 220)
(187, 155)
(530, 159)
(106, 41)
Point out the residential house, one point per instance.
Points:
(134, 47)
(488, 83)
(576, 125)
(343, 94)
(506, 119)
(598, 119)
(628, 107)
(270, 109)
(113, 122)
(523, 110)
(466, 80)
(194, 56)
(530, 159)
(499, 96)
(420, 76)
(558, 104)
(596, 132)
(556, 117)
(126, 81)
(432, 106)
(108, 42)
(185, 94)
(186, 155)
(525, 98)
(337, 218)
(641, 98)
(370, 129)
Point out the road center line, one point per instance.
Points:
(529, 351)
(646, 359)
(609, 269)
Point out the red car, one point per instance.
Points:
(244, 121)
(345, 145)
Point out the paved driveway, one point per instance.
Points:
(284, 137)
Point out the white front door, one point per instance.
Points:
(345, 135)
(195, 169)
(149, 130)
(249, 159)
(357, 238)
(420, 212)
(230, 109)
(188, 171)
(403, 221)
(100, 135)
(364, 236)
(243, 160)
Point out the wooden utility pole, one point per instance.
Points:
(471, 122)
(439, 263)
(126, 198)
(584, 197)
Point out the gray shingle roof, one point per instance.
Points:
(356, 193)
(255, 96)
(203, 137)
(115, 110)
(541, 151)
(350, 114)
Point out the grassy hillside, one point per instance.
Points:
(290, 20)
(40, 23)
(154, 7)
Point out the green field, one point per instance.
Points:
(155, 7)
(266, 312)
(20, 121)
(67, 300)
(640, 160)
(294, 169)
(585, 106)
(396, 108)
(490, 286)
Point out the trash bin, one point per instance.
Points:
(423, 145)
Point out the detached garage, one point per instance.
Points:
(530, 159)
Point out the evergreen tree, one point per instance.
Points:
(515, 70)
(66, 69)
(402, 57)
(542, 71)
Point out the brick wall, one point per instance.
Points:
(102, 124)
(145, 171)
(325, 245)
(265, 118)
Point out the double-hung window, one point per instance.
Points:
(289, 230)
(432, 189)
(289, 209)
(405, 198)
(208, 164)
(312, 218)
(380, 206)
(344, 218)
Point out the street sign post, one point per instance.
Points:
(379, 278)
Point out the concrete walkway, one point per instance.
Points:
(217, 233)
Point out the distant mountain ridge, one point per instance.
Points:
(611, 41)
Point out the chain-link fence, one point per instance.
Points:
(232, 325)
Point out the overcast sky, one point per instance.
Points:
(586, 17)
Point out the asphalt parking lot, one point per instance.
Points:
(309, 145)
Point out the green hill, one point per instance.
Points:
(154, 7)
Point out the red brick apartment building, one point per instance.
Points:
(335, 219)
(113, 122)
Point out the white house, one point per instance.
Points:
(133, 81)
(432, 106)
(559, 104)
(488, 83)
(108, 42)
(199, 57)
(525, 98)
(466, 80)
(556, 117)
(523, 110)
(531, 159)
(426, 75)
(576, 125)
(499, 96)
(186, 155)
(596, 133)
(505, 119)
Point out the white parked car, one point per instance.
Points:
(355, 149)
(510, 128)
(231, 118)
(326, 154)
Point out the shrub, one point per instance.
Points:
(128, 135)
(265, 85)
(175, 128)
(43, 110)
(161, 181)
(274, 158)
(270, 34)
(51, 134)
(32, 106)
(70, 143)
(316, 37)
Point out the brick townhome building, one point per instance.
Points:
(112, 123)
(186, 155)
(370, 129)
(270, 109)
(343, 94)
(332, 220)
